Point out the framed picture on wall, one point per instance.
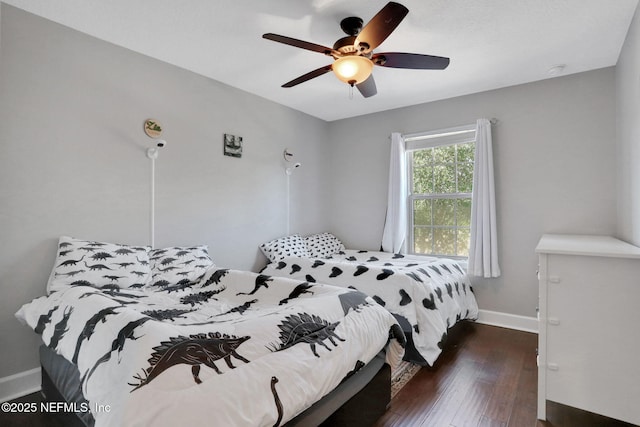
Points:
(232, 145)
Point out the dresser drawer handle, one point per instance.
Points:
(554, 321)
(553, 366)
(555, 279)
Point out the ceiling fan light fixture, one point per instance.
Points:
(352, 69)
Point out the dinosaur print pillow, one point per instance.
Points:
(283, 247)
(98, 264)
(179, 265)
(323, 245)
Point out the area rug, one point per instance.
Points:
(401, 376)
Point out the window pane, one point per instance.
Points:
(444, 241)
(463, 212)
(423, 157)
(441, 224)
(423, 180)
(466, 152)
(445, 154)
(422, 212)
(422, 240)
(443, 212)
(444, 179)
(465, 177)
(464, 237)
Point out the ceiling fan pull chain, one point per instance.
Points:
(351, 92)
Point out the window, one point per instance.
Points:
(440, 167)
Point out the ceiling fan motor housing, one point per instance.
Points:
(346, 45)
(352, 26)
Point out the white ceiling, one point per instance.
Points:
(491, 43)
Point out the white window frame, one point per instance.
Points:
(430, 139)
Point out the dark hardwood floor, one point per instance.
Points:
(487, 376)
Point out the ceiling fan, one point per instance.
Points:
(353, 55)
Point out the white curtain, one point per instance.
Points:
(483, 250)
(395, 227)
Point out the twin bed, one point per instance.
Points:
(427, 295)
(141, 336)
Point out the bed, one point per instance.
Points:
(427, 295)
(141, 347)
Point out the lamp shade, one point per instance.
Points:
(352, 69)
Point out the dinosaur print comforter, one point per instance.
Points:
(428, 295)
(232, 349)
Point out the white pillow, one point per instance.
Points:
(98, 264)
(177, 264)
(283, 247)
(323, 245)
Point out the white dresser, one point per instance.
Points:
(589, 325)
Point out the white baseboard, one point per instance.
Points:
(19, 384)
(506, 320)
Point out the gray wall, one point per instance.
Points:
(628, 127)
(554, 159)
(72, 161)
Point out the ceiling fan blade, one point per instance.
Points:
(380, 26)
(368, 87)
(298, 43)
(414, 61)
(310, 75)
